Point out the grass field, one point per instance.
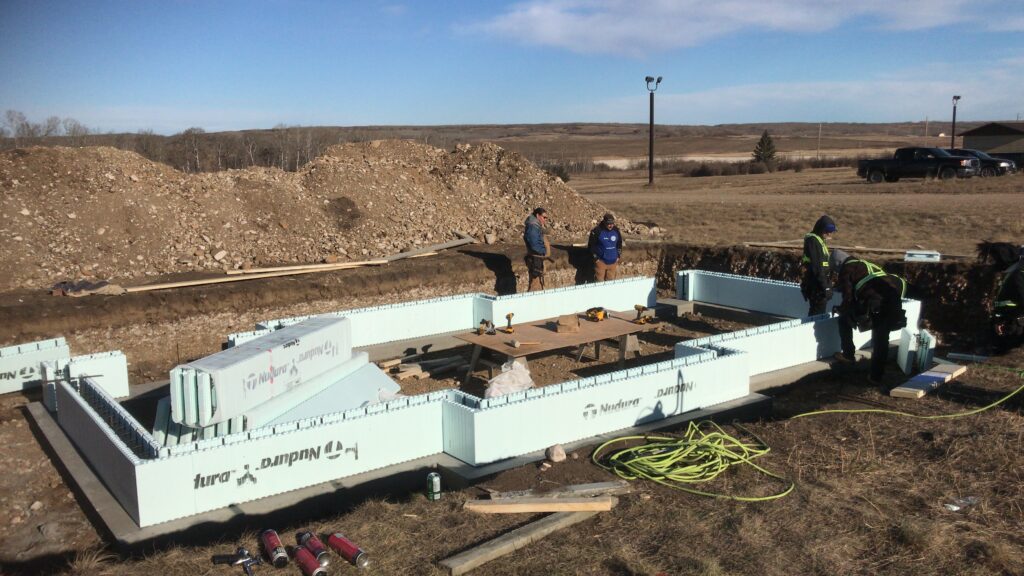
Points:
(947, 216)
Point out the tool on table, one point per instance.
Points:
(484, 326)
(241, 557)
(508, 329)
(640, 318)
(491, 330)
(516, 343)
(596, 314)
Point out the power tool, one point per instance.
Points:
(596, 314)
(508, 329)
(241, 557)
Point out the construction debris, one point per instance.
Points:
(926, 382)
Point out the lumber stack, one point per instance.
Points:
(570, 504)
(926, 382)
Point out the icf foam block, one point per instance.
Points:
(756, 294)
(200, 480)
(389, 323)
(21, 365)
(230, 383)
(107, 369)
(621, 294)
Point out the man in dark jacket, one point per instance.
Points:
(872, 300)
(605, 244)
(816, 285)
(536, 248)
(1007, 319)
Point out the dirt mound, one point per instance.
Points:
(86, 213)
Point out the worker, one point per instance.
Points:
(536, 248)
(1007, 318)
(872, 300)
(816, 285)
(605, 245)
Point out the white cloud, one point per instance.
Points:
(991, 93)
(637, 28)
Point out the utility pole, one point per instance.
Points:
(818, 153)
(925, 126)
(952, 141)
(650, 154)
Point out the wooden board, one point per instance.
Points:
(510, 542)
(544, 332)
(524, 505)
(919, 385)
(593, 489)
(954, 370)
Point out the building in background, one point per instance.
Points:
(1002, 139)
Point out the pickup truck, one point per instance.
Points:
(918, 163)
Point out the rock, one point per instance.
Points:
(101, 231)
(72, 215)
(490, 238)
(134, 178)
(555, 453)
(654, 231)
(26, 212)
(544, 466)
(35, 506)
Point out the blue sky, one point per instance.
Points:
(225, 65)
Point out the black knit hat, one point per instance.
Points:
(609, 218)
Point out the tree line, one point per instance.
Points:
(196, 150)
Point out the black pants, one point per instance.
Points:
(817, 303)
(879, 343)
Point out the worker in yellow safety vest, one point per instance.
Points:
(1007, 318)
(872, 300)
(816, 285)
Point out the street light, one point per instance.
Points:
(952, 142)
(650, 156)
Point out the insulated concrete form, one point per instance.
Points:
(383, 324)
(238, 380)
(108, 370)
(157, 483)
(21, 366)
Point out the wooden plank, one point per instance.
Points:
(222, 280)
(510, 542)
(409, 374)
(319, 266)
(954, 370)
(919, 385)
(524, 505)
(593, 489)
(462, 241)
(848, 248)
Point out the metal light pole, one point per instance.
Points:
(650, 156)
(952, 141)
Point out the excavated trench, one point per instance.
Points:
(955, 296)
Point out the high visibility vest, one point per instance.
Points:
(824, 250)
(1015, 269)
(875, 271)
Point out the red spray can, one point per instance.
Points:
(315, 546)
(348, 550)
(274, 548)
(308, 563)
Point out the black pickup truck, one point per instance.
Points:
(918, 163)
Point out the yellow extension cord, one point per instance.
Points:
(705, 451)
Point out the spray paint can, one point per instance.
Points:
(348, 550)
(433, 486)
(274, 548)
(309, 541)
(308, 563)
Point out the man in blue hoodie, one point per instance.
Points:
(536, 248)
(605, 245)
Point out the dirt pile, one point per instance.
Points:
(103, 213)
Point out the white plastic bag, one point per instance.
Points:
(514, 377)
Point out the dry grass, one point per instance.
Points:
(947, 216)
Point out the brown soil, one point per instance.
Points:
(102, 213)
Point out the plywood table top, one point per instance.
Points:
(616, 325)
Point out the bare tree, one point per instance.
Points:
(51, 127)
(75, 131)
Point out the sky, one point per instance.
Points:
(168, 65)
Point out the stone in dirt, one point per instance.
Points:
(555, 453)
(220, 255)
